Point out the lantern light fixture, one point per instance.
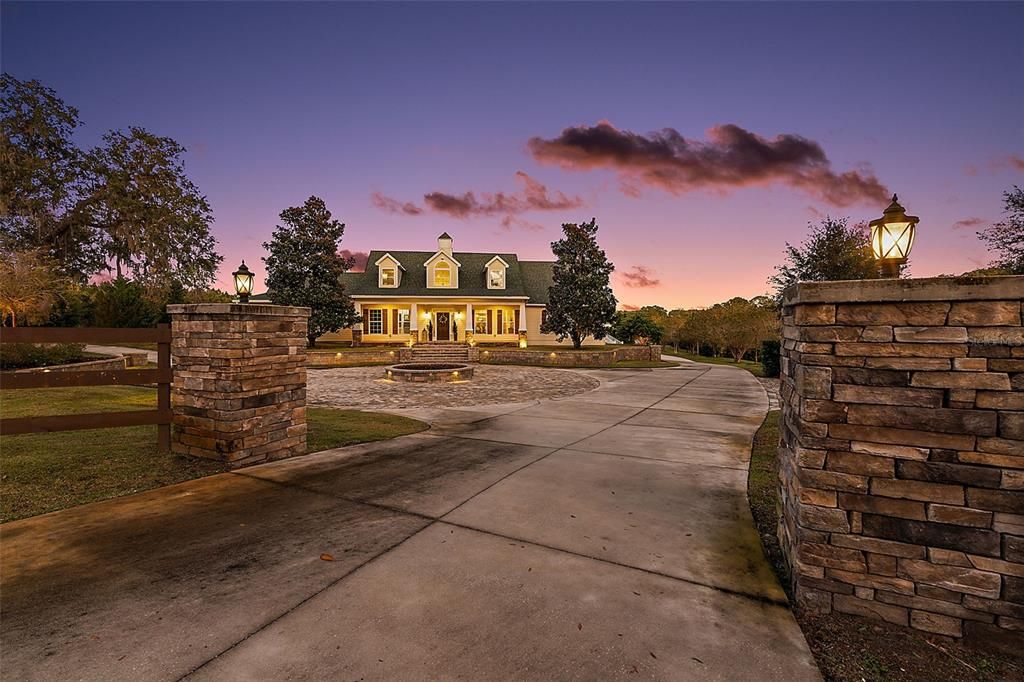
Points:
(243, 282)
(892, 237)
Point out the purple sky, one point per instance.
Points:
(393, 112)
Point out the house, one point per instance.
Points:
(448, 296)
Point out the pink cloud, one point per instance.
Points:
(534, 196)
(639, 277)
(357, 258)
(731, 157)
(968, 223)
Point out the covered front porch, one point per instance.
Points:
(462, 321)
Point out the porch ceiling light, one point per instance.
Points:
(243, 282)
(892, 237)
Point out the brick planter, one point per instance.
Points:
(239, 392)
(902, 455)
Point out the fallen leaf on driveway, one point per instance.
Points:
(326, 557)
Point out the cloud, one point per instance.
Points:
(1015, 162)
(358, 258)
(968, 223)
(639, 277)
(394, 206)
(731, 157)
(629, 308)
(534, 196)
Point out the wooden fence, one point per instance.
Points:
(161, 376)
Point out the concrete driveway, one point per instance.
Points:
(601, 536)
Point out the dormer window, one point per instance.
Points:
(495, 270)
(389, 272)
(442, 275)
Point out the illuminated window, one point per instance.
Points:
(377, 321)
(496, 278)
(403, 321)
(508, 322)
(388, 277)
(480, 321)
(442, 275)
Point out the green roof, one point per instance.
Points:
(522, 278)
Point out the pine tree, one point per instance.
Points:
(580, 302)
(304, 267)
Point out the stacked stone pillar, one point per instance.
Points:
(239, 393)
(902, 454)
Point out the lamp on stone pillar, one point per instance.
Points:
(243, 282)
(892, 237)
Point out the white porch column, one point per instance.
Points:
(414, 317)
(468, 325)
(522, 317)
(358, 326)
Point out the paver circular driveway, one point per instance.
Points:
(491, 384)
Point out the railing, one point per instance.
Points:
(161, 376)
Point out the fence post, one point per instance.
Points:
(163, 395)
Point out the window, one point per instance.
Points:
(377, 321)
(508, 322)
(388, 277)
(403, 321)
(442, 275)
(496, 278)
(480, 321)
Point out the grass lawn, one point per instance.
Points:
(853, 649)
(752, 367)
(44, 472)
(627, 364)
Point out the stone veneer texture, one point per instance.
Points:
(239, 392)
(902, 454)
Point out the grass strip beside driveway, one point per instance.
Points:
(44, 472)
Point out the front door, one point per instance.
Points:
(443, 326)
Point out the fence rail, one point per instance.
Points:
(161, 376)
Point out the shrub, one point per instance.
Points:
(770, 357)
(124, 303)
(24, 355)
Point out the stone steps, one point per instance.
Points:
(440, 352)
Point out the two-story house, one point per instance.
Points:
(449, 296)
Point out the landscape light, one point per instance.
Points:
(243, 282)
(892, 237)
(522, 343)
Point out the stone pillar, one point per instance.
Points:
(357, 328)
(902, 454)
(239, 393)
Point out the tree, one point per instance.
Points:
(127, 202)
(633, 326)
(156, 222)
(304, 267)
(29, 286)
(1006, 238)
(581, 302)
(832, 251)
(41, 175)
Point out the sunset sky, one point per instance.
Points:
(701, 136)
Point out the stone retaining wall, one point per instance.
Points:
(902, 454)
(568, 358)
(119, 362)
(239, 392)
(348, 358)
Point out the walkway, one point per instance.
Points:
(601, 536)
